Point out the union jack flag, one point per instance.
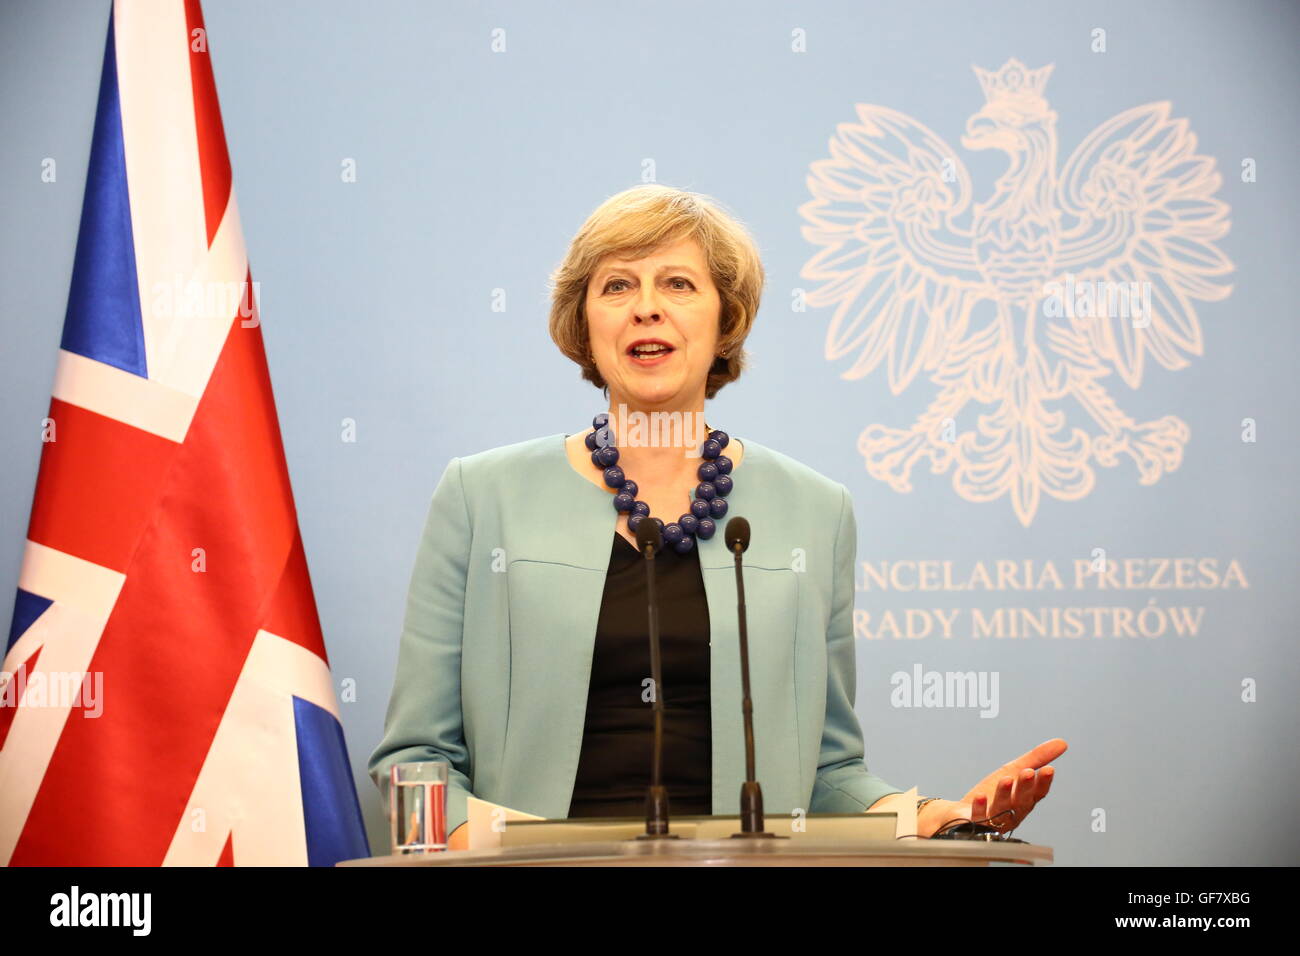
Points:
(167, 698)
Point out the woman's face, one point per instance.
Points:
(667, 298)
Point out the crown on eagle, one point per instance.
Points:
(1013, 80)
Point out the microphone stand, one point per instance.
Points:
(751, 794)
(656, 802)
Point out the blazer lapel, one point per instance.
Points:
(556, 586)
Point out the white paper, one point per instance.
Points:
(906, 824)
(487, 821)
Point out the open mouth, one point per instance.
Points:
(649, 351)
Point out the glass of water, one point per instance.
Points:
(417, 807)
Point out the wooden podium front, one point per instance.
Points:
(806, 851)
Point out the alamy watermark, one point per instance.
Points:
(949, 689)
(66, 689)
(213, 300)
(1098, 299)
(77, 908)
(637, 429)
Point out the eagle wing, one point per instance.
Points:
(899, 271)
(1145, 219)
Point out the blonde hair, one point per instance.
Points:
(633, 224)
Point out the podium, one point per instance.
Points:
(805, 851)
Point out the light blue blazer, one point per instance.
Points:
(495, 656)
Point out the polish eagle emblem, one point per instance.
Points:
(1019, 307)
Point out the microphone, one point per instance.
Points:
(751, 794)
(648, 541)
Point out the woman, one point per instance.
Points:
(524, 661)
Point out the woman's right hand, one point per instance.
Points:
(458, 839)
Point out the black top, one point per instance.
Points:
(618, 741)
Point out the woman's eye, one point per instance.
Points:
(677, 283)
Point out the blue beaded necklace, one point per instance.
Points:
(710, 494)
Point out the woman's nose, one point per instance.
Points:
(646, 309)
